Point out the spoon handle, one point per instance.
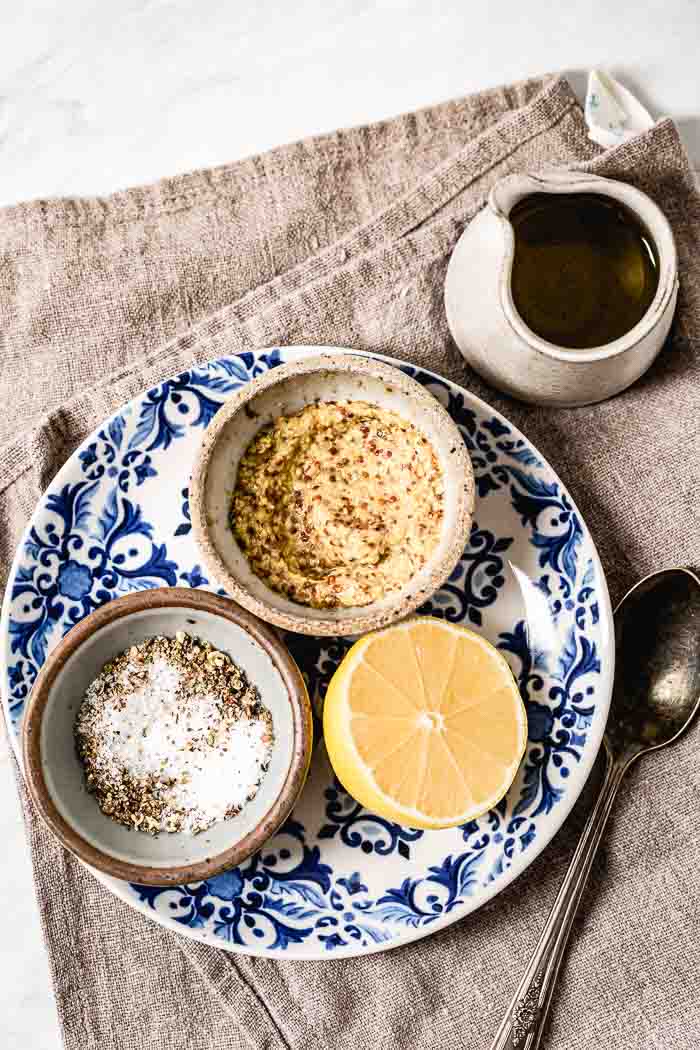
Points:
(522, 1026)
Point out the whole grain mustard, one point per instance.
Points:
(339, 504)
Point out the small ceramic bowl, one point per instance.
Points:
(284, 391)
(55, 776)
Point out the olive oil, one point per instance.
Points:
(585, 270)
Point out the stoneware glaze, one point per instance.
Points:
(54, 774)
(491, 334)
(284, 391)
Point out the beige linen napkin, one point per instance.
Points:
(344, 239)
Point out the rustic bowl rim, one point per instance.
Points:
(304, 622)
(279, 810)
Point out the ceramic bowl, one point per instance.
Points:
(55, 776)
(284, 391)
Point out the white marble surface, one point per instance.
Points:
(95, 96)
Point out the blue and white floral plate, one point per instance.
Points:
(336, 880)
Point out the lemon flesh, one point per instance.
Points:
(424, 724)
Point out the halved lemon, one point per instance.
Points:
(424, 724)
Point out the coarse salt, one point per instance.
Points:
(203, 759)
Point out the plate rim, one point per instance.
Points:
(518, 867)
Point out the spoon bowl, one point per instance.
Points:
(657, 681)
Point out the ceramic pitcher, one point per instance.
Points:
(493, 337)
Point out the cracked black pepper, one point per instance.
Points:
(172, 736)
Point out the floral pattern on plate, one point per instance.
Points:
(335, 880)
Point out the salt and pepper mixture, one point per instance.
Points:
(172, 736)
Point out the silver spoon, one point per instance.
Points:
(656, 695)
